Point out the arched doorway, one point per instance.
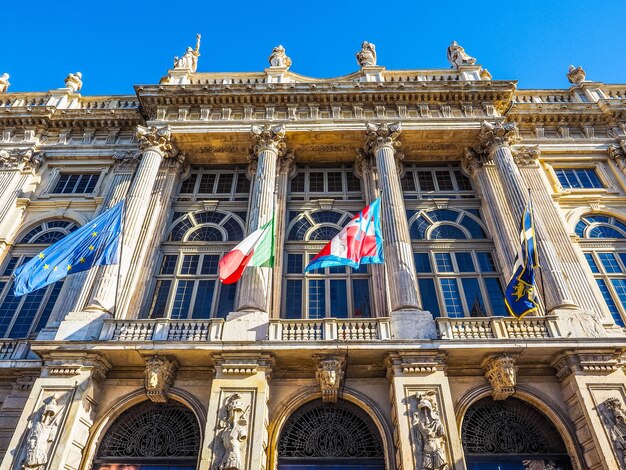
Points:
(151, 436)
(331, 437)
(511, 435)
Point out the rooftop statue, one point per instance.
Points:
(4, 82)
(576, 75)
(279, 58)
(458, 57)
(74, 82)
(189, 60)
(367, 55)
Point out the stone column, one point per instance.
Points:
(238, 404)
(418, 380)
(57, 417)
(495, 142)
(404, 302)
(268, 145)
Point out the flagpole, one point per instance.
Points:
(543, 286)
(119, 261)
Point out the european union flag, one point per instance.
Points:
(520, 298)
(96, 243)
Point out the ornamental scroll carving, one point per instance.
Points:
(614, 417)
(41, 434)
(494, 135)
(329, 375)
(159, 377)
(268, 137)
(501, 372)
(24, 159)
(382, 135)
(233, 433)
(155, 138)
(527, 155)
(430, 433)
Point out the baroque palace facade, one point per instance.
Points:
(413, 364)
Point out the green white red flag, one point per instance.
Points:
(257, 249)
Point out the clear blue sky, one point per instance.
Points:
(116, 44)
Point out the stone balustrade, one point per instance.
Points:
(14, 349)
(162, 330)
(330, 329)
(498, 328)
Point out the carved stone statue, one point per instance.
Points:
(430, 434)
(159, 377)
(42, 432)
(615, 421)
(576, 75)
(501, 372)
(458, 57)
(189, 60)
(4, 82)
(329, 374)
(74, 82)
(233, 433)
(279, 58)
(367, 55)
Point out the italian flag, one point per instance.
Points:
(257, 249)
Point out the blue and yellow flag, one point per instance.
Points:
(96, 243)
(520, 298)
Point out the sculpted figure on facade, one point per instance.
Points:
(233, 432)
(279, 58)
(458, 57)
(42, 433)
(366, 57)
(576, 75)
(74, 82)
(189, 60)
(159, 377)
(329, 375)
(4, 82)
(614, 417)
(501, 372)
(430, 434)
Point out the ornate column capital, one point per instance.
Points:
(382, 135)
(527, 155)
(28, 159)
(501, 372)
(497, 134)
(127, 160)
(155, 138)
(618, 155)
(287, 164)
(473, 160)
(268, 137)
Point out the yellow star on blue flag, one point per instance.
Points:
(94, 244)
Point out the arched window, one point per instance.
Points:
(504, 434)
(608, 265)
(21, 317)
(330, 436)
(151, 435)
(186, 285)
(339, 292)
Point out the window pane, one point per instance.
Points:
(316, 182)
(61, 184)
(361, 298)
(609, 302)
(425, 179)
(168, 264)
(204, 298)
(334, 182)
(207, 182)
(496, 296)
(422, 263)
(294, 263)
(444, 262)
(225, 183)
(159, 301)
(338, 299)
(465, 262)
(592, 263)
(7, 309)
(8, 270)
(226, 303)
(297, 183)
(354, 183)
(622, 257)
(362, 269)
(293, 301)
(462, 181)
(45, 314)
(474, 297)
(620, 289)
(407, 181)
(337, 270)
(485, 261)
(243, 184)
(589, 179)
(317, 299)
(190, 264)
(209, 264)
(182, 299)
(444, 181)
(429, 296)
(451, 298)
(189, 184)
(24, 320)
(609, 262)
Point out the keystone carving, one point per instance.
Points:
(268, 137)
(279, 58)
(527, 155)
(501, 372)
(43, 431)
(159, 377)
(233, 432)
(430, 434)
(74, 82)
(458, 57)
(4, 82)
(155, 138)
(575, 75)
(366, 57)
(381, 135)
(494, 135)
(329, 375)
(28, 159)
(614, 417)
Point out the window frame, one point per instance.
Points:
(597, 167)
(57, 171)
(307, 195)
(200, 170)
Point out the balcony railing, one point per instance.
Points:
(15, 350)
(330, 329)
(497, 328)
(162, 330)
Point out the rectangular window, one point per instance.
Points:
(204, 300)
(592, 263)
(338, 299)
(293, 301)
(224, 183)
(361, 298)
(226, 302)
(428, 294)
(182, 300)
(451, 297)
(610, 303)
(609, 262)
(313, 182)
(496, 296)
(426, 182)
(578, 178)
(70, 183)
(317, 299)
(473, 297)
(465, 262)
(422, 263)
(159, 301)
(485, 262)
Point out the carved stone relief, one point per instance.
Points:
(232, 433)
(614, 418)
(429, 432)
(159, 377)
(27, 159)
(501, 372)
(329, 375)
(42, 433)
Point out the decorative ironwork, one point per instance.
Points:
(509, 427)
(151, 431)
(319, 430)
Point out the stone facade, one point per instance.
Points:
(418, 352)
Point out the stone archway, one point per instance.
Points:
(330, 436)
(151, 434)
(511, 435)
